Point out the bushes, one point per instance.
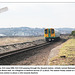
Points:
(73, 33)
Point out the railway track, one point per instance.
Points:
(35, 55)
(4, 55)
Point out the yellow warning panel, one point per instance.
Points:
(46, 33)
(52, 32)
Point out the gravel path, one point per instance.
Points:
(33, 57)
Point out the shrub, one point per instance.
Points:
(73, 33)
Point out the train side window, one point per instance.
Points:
(52, 30)
(46, 31)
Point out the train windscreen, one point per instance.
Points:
(52, 30)
(45, 31)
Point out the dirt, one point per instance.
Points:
(33, 57)
(53, 54)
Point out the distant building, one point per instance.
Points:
(2, 35)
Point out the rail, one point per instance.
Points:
(23, 50)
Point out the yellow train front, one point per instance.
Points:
(51, 34)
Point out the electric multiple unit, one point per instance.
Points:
(51, 34)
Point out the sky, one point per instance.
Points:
(38, 15)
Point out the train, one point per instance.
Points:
(51, 34)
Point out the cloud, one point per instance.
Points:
(38, 15)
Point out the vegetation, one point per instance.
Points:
(66, 54)
(13, 40)
(73, 33)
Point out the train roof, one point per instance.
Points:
(49, 28)
(52, 28)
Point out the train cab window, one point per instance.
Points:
(46, 31)
(52, 30)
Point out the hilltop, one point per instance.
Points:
(26, 31)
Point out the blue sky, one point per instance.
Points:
(40, 15)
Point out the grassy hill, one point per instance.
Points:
(66, 54)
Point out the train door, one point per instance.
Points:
(52, 33)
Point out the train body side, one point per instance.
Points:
(57, 33)
(51, 34)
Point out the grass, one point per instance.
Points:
(66, 54)
(13, 40)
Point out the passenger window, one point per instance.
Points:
(52, 31)
(46, 31)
